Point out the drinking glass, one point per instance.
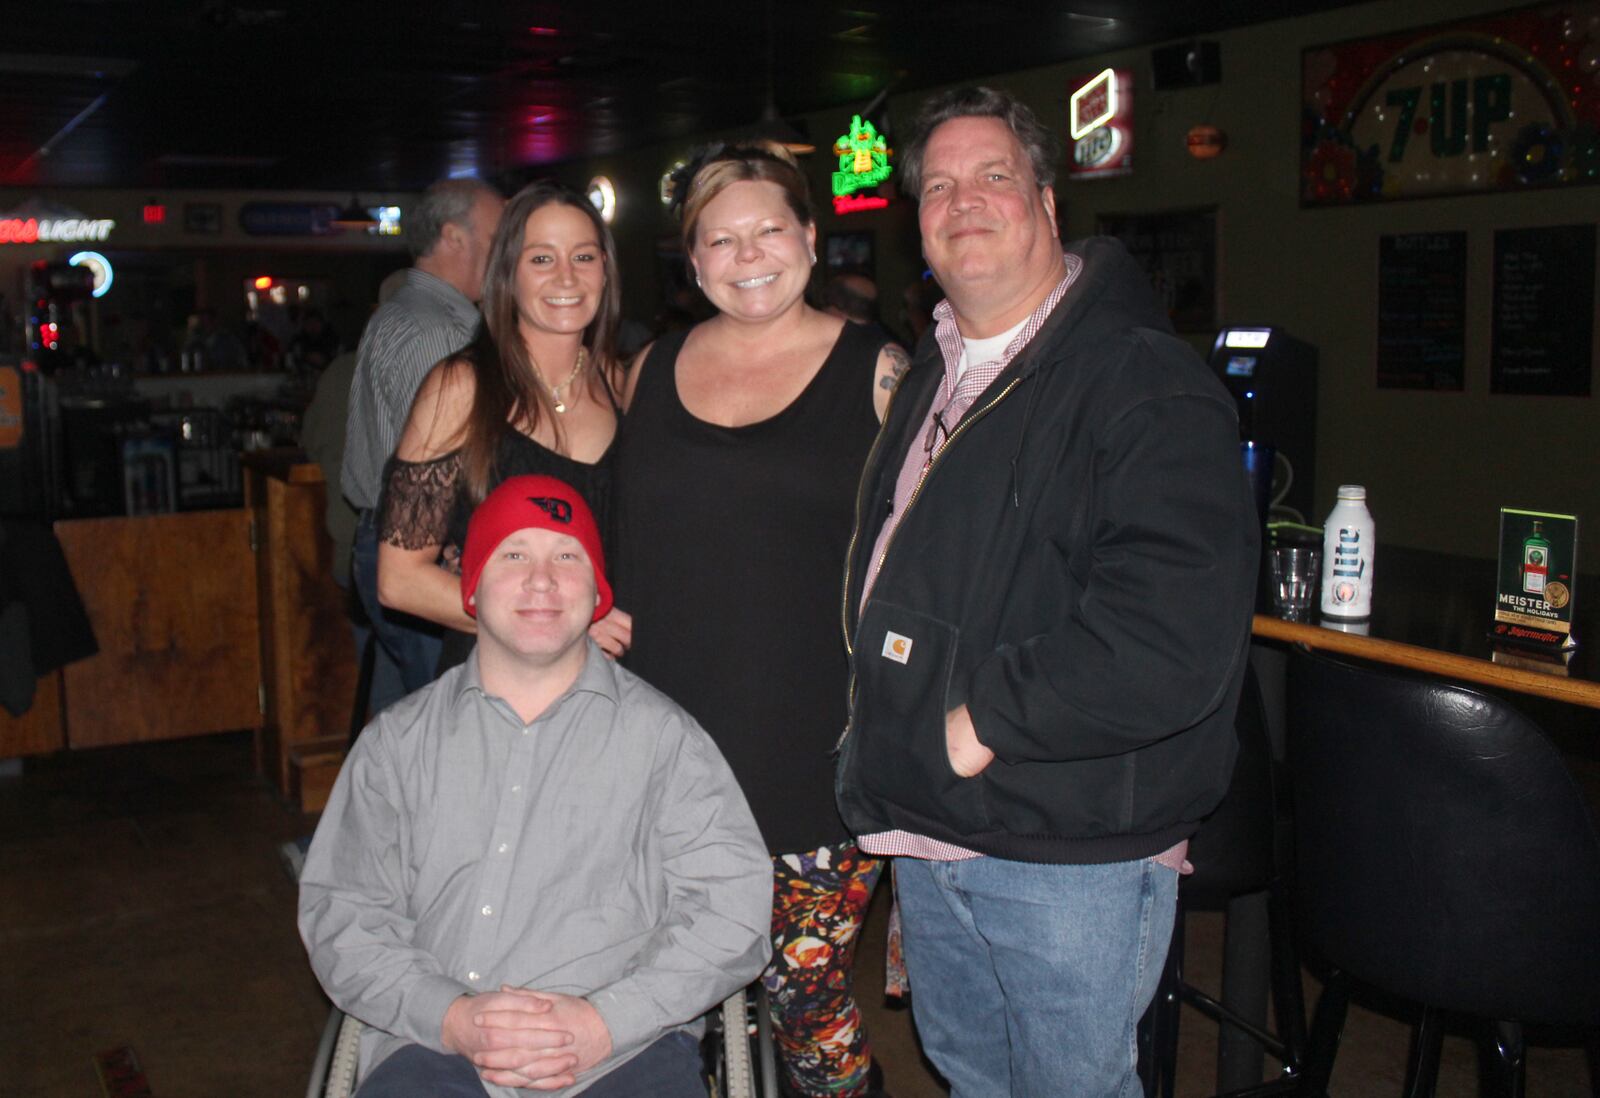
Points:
(1295, 571)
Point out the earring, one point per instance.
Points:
(697, 281)
(813, 259)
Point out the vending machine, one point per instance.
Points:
(1273, 379)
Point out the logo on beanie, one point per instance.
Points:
(558, 509)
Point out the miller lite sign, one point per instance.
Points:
(1100, 125)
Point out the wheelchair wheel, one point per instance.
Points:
(741, 1061)
(736, 1073)
(333, 1075)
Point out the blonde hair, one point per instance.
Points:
(755, 161)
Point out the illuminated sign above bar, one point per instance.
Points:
(101, 268)
(67, 230)
(863, 164)
(863, 158)
(1094, 104)
(855, 203)
(1100, 123)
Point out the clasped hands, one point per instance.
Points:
(517, 1037)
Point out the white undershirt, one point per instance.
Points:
(986, 350)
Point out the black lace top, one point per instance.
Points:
(427, 503)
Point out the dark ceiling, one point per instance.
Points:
(370, 96)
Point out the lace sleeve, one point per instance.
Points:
(417, 499)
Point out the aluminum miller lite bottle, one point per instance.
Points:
(1348, 545)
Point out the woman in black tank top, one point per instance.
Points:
(737, 472)
(533, 394)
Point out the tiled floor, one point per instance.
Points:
(145, 904)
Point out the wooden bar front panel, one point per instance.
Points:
(173, 603)
(308, 657)
(41, 729)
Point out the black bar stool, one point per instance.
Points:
(1238, 851)
(1444, 855)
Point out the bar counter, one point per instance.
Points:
(1432, 612)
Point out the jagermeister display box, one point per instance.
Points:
(1538, 570)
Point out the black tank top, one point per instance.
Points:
(731, 545)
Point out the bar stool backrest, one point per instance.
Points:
(1443, 851)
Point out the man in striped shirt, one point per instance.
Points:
(428, 319)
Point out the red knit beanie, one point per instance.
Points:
(530, 502)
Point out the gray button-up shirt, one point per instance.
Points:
(425, 322)
(603, 850)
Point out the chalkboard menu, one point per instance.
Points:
(1422, 311)
(1543, 317)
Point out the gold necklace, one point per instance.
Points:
(555, 391)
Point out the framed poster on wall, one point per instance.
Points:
(1491, 103)
(1178, 250)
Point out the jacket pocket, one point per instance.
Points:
(904, 661)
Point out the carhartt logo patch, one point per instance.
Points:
(558, 509)
(896, 647)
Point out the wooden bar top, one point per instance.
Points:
(1578, 691)
(1432, 612)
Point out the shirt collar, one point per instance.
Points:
(599, 676)
(952, 345)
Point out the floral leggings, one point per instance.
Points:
(819, 902)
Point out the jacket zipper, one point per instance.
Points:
(910, 502)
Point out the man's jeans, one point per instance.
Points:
(411, 643)
(1030, 980)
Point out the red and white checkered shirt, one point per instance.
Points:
(957, 393)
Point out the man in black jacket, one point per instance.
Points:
(1048, 608)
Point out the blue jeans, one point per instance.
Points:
(669, 1068)
(411, 643)
(1030, 980)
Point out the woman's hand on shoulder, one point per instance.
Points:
(893, 362)
(614, 632)
(438, 412)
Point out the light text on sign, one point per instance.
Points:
(855, 203)
(67, 230)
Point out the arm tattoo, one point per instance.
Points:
(899, 363)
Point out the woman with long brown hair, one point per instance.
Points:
(532, 394)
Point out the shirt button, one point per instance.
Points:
(504, 847)
(516, 789)
(473, 976)
(487, 910)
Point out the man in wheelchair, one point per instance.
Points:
(536, 873)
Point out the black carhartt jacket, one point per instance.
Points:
(1078, 568)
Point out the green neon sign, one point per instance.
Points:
(863, 158)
